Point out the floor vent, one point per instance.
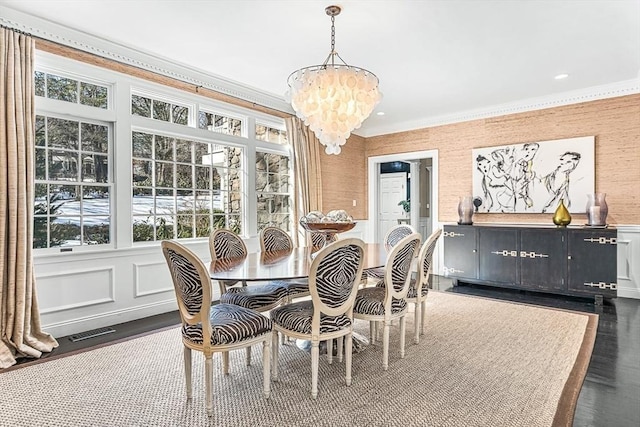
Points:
(91, 334)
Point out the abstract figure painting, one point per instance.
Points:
(533, 177)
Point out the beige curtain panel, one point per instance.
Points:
(307, 187)
(21, 334)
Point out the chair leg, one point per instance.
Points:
(402, 337)
(385, 345)
(424, 315)
(340, 344)
(225, 362)
(315, 361)
(417, 320)
(249, 356)
(329, 351)
(347, 357)
(275, 351)
(208, 373)
(372, 332)
(266, 365)
(187, 370)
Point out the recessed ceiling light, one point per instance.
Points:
(561, 76)
(380, 113)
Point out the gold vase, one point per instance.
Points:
(561, 217)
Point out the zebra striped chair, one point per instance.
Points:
(273, 239)
(419, 287)
(225, 244)
(388, 303)
(318, 240)
(333, 283)
(210, 329)
(393, 236)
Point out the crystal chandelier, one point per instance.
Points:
(334, 98)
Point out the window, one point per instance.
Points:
(70, 90)
(159, 110)
(270, 134)
(184, 189)
(220, 123)
(273, 190)
(72, 183)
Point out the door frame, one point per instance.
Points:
(373, 163)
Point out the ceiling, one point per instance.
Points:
(434, 59)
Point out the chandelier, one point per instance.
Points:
(334, 98)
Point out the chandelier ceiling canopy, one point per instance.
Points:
(334, 98)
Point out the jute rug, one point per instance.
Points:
(480, 363)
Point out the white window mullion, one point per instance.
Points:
(250, 212)
(122, 167)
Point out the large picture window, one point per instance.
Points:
(184, 189)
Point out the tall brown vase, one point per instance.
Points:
(561, 217)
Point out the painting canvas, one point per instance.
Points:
(533, 177)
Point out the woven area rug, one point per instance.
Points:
(480, 363)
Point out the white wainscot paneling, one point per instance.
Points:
(72, 289)
(629, 261)
(151, 278)
(359, 231)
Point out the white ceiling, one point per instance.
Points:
(434, 59)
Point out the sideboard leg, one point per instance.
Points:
(598, 299)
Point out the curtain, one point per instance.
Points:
(307, 187)
(20, 330)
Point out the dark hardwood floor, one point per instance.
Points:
(610, 396)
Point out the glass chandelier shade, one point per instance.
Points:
(333, 99)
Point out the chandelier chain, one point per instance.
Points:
(333, 38)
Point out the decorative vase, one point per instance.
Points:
(597, 209)
(465, 210)
(561, 217)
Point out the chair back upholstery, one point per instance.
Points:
(274, 239)
(318, 240)
(334, 278)
(225, 243)
(192, 286)
(425, 260)
(395, 234)
(398, 268)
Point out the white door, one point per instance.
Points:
(393, 189)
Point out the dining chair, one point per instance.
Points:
(225, 244)
(318, 240)
(274, 239)
(388, 303)
(391, 238)
(212, 329)
(333, 284)
(419, 287)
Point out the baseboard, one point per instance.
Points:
(628, 293)
(81, 324)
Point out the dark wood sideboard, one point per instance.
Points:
(577, 261)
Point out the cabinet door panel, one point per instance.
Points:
(543, 260)
(460, 254)
(498, 249)
(593, 261)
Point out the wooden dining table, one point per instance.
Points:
(282, 265)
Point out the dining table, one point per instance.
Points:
(282, 265)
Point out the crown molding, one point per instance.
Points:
(612, 90)
(85, 42)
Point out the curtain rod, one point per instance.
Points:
(16, 30)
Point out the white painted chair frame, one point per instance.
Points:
(422, 281)
(202, 317)
(390, 293)
(318, 308)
